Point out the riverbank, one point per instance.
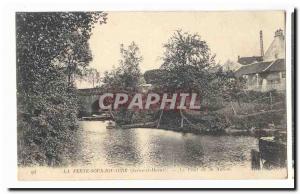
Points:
(194, 130)
(198, 129)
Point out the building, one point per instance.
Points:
(266, 72)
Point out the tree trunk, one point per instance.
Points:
(159, 118)
(181, 125)
(234, 112)
(182, 119)
(69, 79)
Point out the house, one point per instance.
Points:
(266, 72)
(144, 88)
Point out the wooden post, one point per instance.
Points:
(181, 125)
(234, 112)
(271, 101)
(255, 160)
(257, 81)
(159, 118)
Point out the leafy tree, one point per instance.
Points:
(189, 66)
(75, 57)
(187, 61)
(125, 78)
(230, 65)
(127, 75)
(48, 53)
(92, 76)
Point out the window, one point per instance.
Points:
(283, 75)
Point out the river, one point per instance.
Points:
(161, 148)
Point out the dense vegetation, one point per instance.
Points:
(188, 66)
(125, 78)
(52, 49)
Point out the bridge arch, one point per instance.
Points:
(88, 101)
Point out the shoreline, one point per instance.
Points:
(227, 132)
(188, 129)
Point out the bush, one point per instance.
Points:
(261, 97)
(49, 137)
(259, 121)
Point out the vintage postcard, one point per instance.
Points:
(152, 95)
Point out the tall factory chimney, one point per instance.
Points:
(261, 43)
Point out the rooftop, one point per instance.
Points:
(260, 67)
(249, 60)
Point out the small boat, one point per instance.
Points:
(111, 125)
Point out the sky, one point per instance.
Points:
(228, 34)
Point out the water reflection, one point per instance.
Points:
(193, 153)
(161, 148)
(168, 148)
(121, 148)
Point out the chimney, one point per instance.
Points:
(279, 33)
(261, 43)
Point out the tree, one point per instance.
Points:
(47, 111)
(187, 61)
(75, 57)
(125, 78)
(189, 66)
(127, 75)
(129, 63)
(230, 66)
(93, 76)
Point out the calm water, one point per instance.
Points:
(160, 148)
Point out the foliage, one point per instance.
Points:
(126, 77)
(75, 57)
(262, 97)
(184, 49)
(186, 60)
(259, 121)
(230, 65)
(92, 76)
(189, 66)
(154, 76)
(51, 47)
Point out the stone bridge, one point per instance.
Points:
(89, 101)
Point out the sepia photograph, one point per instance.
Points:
(160, 95)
